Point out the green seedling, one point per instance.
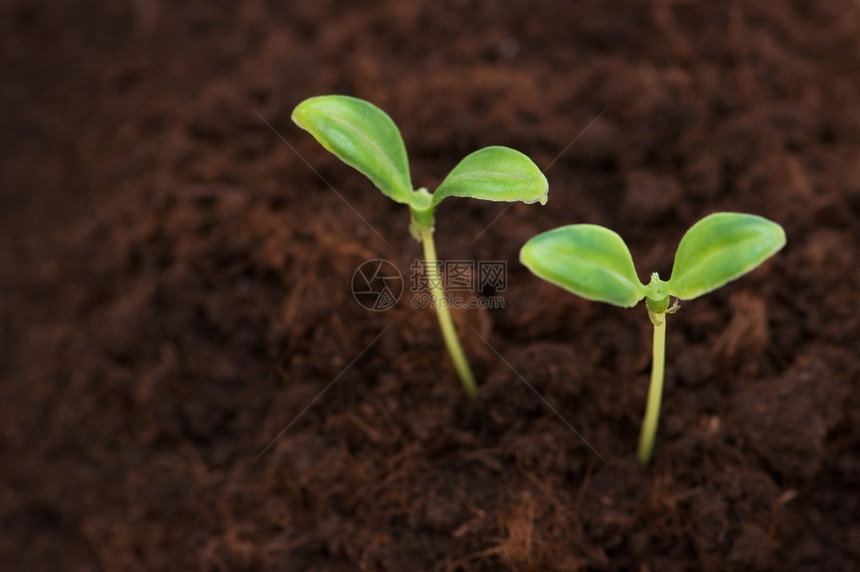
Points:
(593, 262)
(366, 138)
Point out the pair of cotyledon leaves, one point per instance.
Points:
(593, 262)
(588, 260)
(365, 137)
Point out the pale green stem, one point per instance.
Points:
(655, 392)
(449, 333)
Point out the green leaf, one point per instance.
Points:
(495, 174)
(588, 260)
(362, 136)
(720, 248)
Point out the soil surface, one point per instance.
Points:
(187, 383)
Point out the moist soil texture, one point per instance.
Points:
(188, 383)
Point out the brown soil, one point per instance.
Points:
(174, 290)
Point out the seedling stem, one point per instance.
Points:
(655, 391)
(449, 332)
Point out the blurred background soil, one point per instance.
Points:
(175, 289)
